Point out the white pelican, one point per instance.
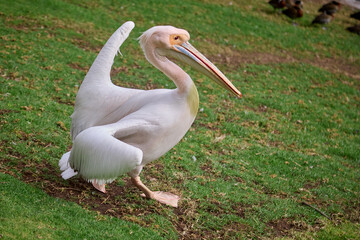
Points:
(118, 130)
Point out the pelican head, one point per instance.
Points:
(168, 41)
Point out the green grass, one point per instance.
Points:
(293, 138)
(28, 213)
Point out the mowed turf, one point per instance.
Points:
(282, 162)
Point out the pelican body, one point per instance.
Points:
(118, 130)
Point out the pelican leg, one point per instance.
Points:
(100, 187)
(162, 197)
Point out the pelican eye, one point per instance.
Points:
(175, 39)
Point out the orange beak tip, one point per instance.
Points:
(239, 96)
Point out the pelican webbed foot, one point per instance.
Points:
(100, 187)
(162, 197)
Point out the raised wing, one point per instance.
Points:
(98, 96)
(101, 67)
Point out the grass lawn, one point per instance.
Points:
(281, 163)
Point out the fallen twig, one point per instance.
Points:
(316, 209)
(105, 200)
(67, 188)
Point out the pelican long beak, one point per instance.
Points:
(202, 64)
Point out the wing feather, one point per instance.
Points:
(98, 96)
(101, 67)
(97, 154)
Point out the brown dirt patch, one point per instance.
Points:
(64, 101)
(352, 211)
(187, 230)
(77, 66)
(241, 59)
(85, 45)
(237, 59)
(312, 185)
(283, 226)
(6, 111)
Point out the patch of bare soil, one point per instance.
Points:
(85, 45)
(282, 227)
(240, 59)
(336, 66)
(77, 66)
(312, 185)
(352, 211)
(6, 111)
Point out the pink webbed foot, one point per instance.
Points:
(99, 187)
(164, 198)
